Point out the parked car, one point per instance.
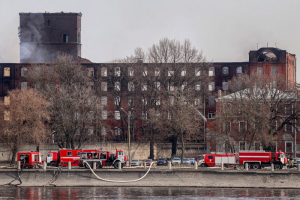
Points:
(162, 161)
(135, 162)
(186, 161)
(148, 162)
(176, 161)
(193, 160)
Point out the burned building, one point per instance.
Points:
(43, 34)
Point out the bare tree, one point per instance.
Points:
(25, 116)
(257, 110)
(74, 108)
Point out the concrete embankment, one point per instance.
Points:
(156, 177)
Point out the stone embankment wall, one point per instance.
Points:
(138, 150)
(160, 178)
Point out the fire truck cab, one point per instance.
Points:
(30, 159)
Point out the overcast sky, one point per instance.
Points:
(226, 30)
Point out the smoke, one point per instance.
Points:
(1, 60)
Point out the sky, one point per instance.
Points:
(225, 30)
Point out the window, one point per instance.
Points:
(198, 86)
(117, 131)
(288, 128)
(130, 86)
(225, 86)
(91, 72)
(104, 114)
(211, 101)
(144, 101)
(6, 115)
(225, 71)
(288, 109)
(227, 126)
(144, 114)
(227, 107)
(257, 146)
(171, 86)
(211, 86)
(65, 38)
(210, 157)
(104, 100)
(104, 71)
(6, 101)
(183, 73)
(144, 86)
(69, 153)
(260, 71)
(117, 115)
(171, 73)
(157, 85)
(242, 126)
(197, 102)
(145, 72)
(130, 101)
(79, 38)
(211, 71)
(103, 86)
(37, 86)
(239, 70)
(169, 115)
(117, 100)
(103, 131)
(24, 85)
(274, 71)
(48, 22)
(23, 71)
(157, 101)
(130, 71)
(171, 99)
(211, 115)
(117, 71)
(91, 86)
(197, 72)
(157, 72)
(288, 147)
(32, 37)
(6, 71)
(184, 85)
(117, 86)
(90, 130)
(242, 145)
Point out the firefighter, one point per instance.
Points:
(291, 163)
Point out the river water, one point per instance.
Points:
(144, 193)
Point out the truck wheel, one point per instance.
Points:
(116, 164)
(203, 165)
(256, 166)
(277, 166)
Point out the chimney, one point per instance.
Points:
(219, 93)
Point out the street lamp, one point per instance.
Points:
(205, 120)
(128, 134)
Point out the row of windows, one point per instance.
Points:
(274, 71)
(6, 72)
(225, 71)
(65, 38)
(243, 127)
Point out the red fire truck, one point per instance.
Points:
(63, 157)
(76, 157)
(102, 158)
(29, 159)
(255, 159)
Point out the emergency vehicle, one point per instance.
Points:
(63, 157)
(254, 159)
(30, 159)
(102, 158)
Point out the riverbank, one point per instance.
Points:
(155, 178)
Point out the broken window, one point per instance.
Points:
(23, 71)
(183, 72)
(117, 86)
(104, 100)
(239, 70)
(144, 86)
(24, 85)
(211, 86)
(104, 71)
(144, 101)
(130, 71)
(171, 86)
(211, 115)
(157, 85)
(130, 86)
(184, 85)
(260, 71)
(211, 71)
(198, 86)
(117, 100)
(65, 38)
(274, 71)
(117, 131)
(225, 71)
(197, 102)
(157, 72)
(171, 73)
(91, 72)
(117, 71)
(145, 72)
(225, 85)
(144, 114)
(197, 72)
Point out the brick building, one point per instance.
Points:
(43, 34)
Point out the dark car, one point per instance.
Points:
(162, 161)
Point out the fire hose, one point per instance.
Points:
(102, 179)
(18, 177)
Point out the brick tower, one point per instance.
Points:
(43, 34)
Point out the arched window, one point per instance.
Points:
(65, 38)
